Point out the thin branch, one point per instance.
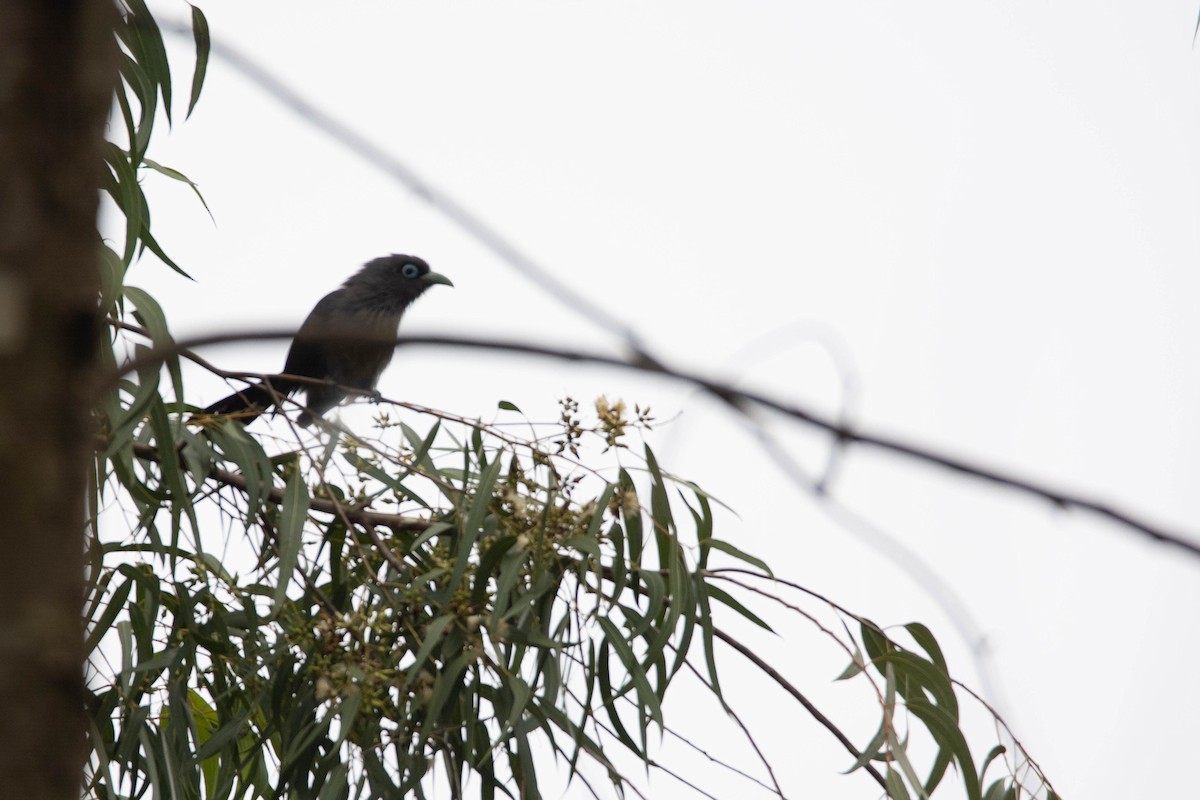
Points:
(804, 701)
(652, 763)
(1017, 742)
(777, 790)
(739, 399)
(368, 519)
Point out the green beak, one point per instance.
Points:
(436, 277)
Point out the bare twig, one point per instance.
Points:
(1017, 742)
(777, 790)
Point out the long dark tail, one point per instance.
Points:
(249, 403)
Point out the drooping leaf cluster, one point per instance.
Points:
(144, 90)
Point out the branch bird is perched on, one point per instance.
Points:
(347, 339)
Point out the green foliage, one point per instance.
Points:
(512, 601)
(442, 641)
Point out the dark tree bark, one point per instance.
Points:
(56, 78)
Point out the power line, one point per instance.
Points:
(740, 400)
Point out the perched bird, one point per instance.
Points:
(347, 340)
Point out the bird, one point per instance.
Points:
(346, 341)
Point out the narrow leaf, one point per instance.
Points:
(726, 547)
(203, 47)
(291, 525)
(433, 634)
(721, 596)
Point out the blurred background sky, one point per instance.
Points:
(986, 210)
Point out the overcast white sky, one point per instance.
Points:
(991, 206)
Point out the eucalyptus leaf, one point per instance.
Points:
(292, 515)
(203, 48)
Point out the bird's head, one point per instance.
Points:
(395, 280)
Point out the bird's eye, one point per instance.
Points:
(410, 270)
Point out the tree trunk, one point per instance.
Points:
(57, 73)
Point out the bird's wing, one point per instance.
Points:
(309, 354)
